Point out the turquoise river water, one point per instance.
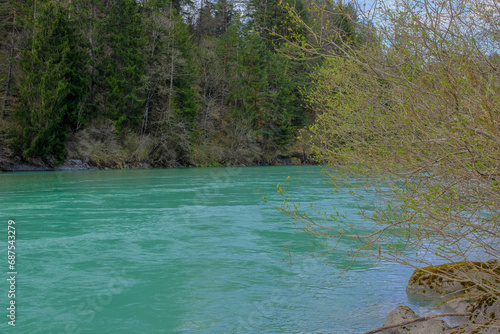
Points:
(192, 250)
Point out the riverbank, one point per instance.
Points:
(469, 307)
(18, 165)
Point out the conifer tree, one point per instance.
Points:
(170, 107)
(278, 106)
(215, 18)
(9, 35)
(53, 85)
(272, 21)
(121, 60)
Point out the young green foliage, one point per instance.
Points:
(411, 128)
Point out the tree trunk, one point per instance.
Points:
(145, 117)
(93, 16)
(200, 22)
(9, 73)
(172, 61)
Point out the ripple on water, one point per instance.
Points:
(183, 251)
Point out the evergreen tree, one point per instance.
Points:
(8, 37)
(275, 79)
(54, 83)
(170, 67)
(183, 8)
(215, 18)
(270, 18)
(135, 64)
(170, 107)
(121, 60)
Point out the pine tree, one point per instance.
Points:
(273, 81)
(170, 106)
(270, 18)
(120, 63)
(9, 35)
(215, 18)
(54, 83)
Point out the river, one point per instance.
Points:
(193, 250)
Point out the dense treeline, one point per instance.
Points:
(158, 81)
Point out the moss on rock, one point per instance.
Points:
(454, 279)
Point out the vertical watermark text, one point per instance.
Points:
(11, 260)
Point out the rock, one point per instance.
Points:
(404, 313)
(436, 281)
(282, 160)
(138, 165)
(455, 282)
(75, 164)
(484, 318)
(485, 310)
(21, 167)
(37, 165)
(460, 304)
(427, 282)
(489, 327)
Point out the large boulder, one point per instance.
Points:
(76, 164)
(485, 318)
(459, 304)
(404, 313)
(453, 279)
(455, 285)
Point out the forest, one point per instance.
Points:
(162, 82)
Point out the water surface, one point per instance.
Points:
(182, 251)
